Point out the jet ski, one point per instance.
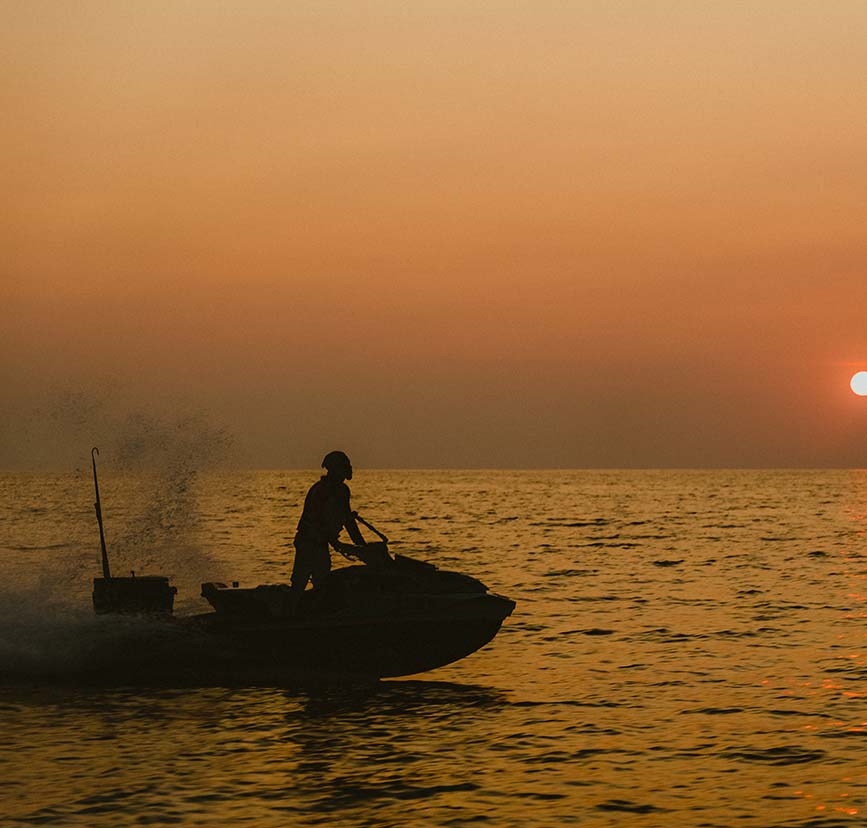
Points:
(385, 616)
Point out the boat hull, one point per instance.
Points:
(374, 647)
(366, 622)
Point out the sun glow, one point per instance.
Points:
(859, 383)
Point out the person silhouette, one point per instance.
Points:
(326, 512)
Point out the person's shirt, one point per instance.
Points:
(326, 511)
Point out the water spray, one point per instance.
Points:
(148, 594)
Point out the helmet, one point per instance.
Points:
(336, 460)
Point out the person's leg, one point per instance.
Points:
(320, 567)
(301, 571)
(302, 567)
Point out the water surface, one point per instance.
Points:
(688, 649)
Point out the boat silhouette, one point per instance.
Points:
(386, 616)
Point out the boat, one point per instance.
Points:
(385, 616)
(398, 619)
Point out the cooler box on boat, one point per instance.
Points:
(136, 594)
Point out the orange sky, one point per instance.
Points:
(441, 233)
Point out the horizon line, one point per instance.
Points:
(229, 468)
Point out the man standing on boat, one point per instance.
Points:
(326, 512)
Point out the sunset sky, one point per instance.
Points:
(496, 234)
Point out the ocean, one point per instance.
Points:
(688, 649)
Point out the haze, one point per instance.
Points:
(440, 234)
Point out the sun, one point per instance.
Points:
(859, 383)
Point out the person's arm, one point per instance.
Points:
(344, 549)
(354, 531)
(348, 521)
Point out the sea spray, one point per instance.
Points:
(66, 644)
(150, 463)
(41, 638)
(158, 465)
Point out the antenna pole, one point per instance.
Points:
(106, 572)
